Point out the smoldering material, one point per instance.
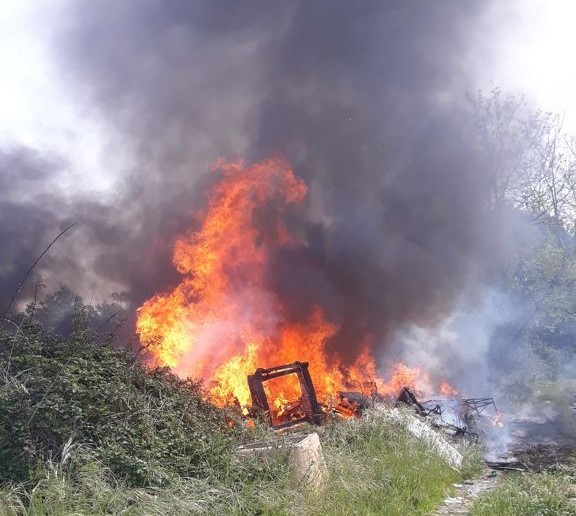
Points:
(363, 99)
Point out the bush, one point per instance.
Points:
(147, 426)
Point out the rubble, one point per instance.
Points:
(434, 421)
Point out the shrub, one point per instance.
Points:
(145, 425)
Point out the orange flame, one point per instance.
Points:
(223, 321)
(447, 390)
(497, 420)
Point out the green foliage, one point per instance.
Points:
(58, 309)
(88, 429)
(546, 494)
(545, 279)
(375, 467)
(539, 344)
(146, 426)
(530, 169)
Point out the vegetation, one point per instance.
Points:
(366, 477)
(85, 428)
(378, 468)
(552, 493)
(531, 174)
(529, 164)
(146, 426)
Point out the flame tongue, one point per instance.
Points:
(223, 320)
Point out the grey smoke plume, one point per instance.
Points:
(362, 98)
(29, 212)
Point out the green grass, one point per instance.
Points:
(552, 493)
(378, 468)
(374, 467)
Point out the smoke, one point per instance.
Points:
(459, 348)
(32, 215)
(362, 99)
(359, 103)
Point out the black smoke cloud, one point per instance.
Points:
(363, 100)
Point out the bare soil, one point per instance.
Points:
(539, 457)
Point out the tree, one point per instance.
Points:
(57, 309)
(530, 160)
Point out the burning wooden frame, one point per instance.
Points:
(455, 414)
(308, 403)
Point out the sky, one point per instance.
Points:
(536, 55)
(536, 40)
(35, 110)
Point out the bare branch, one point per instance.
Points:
(29, 271)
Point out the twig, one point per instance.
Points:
(21, 284)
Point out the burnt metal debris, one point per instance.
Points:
(308, 407)
(475, 406)
(455, 415)
(407, 397)
(463, 416)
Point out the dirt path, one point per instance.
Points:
(466, 493)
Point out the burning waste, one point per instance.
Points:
(229, 324)
(226, 319)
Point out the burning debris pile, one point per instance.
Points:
(455, 415)
(255, 293)
(244, 303)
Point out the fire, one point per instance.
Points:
(497, 420)
(402, 376)
(447, 390)
(223, 320)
